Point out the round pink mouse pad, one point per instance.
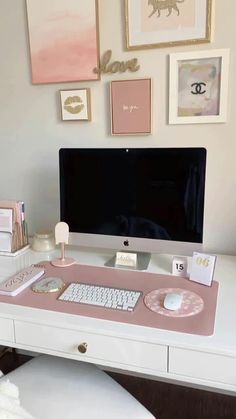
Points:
(192, 304)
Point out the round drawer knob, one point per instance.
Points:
(82, 348)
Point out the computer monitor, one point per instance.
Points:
(147, 200)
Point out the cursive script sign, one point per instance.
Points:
(106, 66)
(130, 108)
(126, 259)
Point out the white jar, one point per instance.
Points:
(43, 241)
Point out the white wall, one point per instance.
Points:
(31, 131)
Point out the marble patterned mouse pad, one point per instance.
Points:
(192, 303)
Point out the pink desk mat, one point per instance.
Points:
(200, 324)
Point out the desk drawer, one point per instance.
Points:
(99, 347)
(205, 366)
(6, 330)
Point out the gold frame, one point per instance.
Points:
(88, 105)
(113, 133)
(207, 38)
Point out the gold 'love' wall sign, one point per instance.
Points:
(108, 66)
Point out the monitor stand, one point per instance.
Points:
(143, 260)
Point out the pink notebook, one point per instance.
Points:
(18, 282)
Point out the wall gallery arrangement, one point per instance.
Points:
(64, 47)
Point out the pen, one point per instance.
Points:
(24, 226)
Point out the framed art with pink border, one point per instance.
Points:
(131, 107)
(64, 40)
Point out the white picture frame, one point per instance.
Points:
(198, 86)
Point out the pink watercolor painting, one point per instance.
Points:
(63, 37)
(131, 107)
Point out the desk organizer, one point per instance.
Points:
(13, 227)
(202, 323)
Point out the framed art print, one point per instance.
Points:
(167, 23)
(198, 87)
(131, 107)
(64, 41)
(75, 105)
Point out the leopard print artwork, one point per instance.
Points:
(159, 5)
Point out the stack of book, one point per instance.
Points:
(13, 227)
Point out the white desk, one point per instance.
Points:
(208, 362)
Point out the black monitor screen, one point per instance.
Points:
(155, 193)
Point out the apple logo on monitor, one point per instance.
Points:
(126, 242)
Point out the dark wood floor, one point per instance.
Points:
(168, 401)
(165, 401)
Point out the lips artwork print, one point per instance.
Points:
(75, 105)
(63, 37)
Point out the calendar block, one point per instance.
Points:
(202, 269)
(180, 266)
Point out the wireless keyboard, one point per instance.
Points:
(101, 296)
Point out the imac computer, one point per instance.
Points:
(144, 200)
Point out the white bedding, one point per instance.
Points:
(10, 407)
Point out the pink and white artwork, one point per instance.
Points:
(131, 107)
(63, 37)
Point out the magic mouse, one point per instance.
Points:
(173, 301)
